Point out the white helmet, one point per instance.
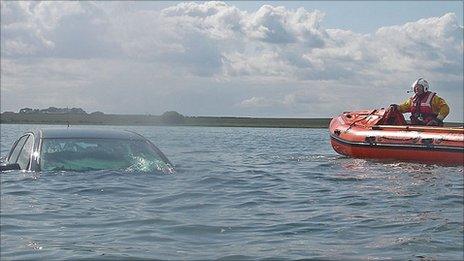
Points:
(422, 82)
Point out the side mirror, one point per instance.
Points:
(11, 166)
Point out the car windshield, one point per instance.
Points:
(100, 154)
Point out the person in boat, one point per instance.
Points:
(426, 107)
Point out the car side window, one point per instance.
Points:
(15, 152)
(25, 154)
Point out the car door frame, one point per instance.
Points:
(8, 158)
(33, 158)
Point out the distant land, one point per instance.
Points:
(77, 116)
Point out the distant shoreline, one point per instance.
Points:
(169, 120)
(155, 120)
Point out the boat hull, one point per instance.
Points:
(355, 134)
(398, 153)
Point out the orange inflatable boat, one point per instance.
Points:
(362, 134)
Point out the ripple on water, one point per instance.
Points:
(238, 193)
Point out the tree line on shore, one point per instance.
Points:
(77, 116)
(55, 110)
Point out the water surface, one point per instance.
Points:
(238, 193)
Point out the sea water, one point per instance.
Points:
(237, 193)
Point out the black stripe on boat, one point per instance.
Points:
(400, 146)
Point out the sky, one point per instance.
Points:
(237, 58)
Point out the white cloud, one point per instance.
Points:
(95, 45)
(430, 44)
(257, 102)
(54, 29)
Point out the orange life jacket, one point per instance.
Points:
(421, 109)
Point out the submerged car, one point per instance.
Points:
(70, 149)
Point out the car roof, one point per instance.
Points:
(67, 133)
